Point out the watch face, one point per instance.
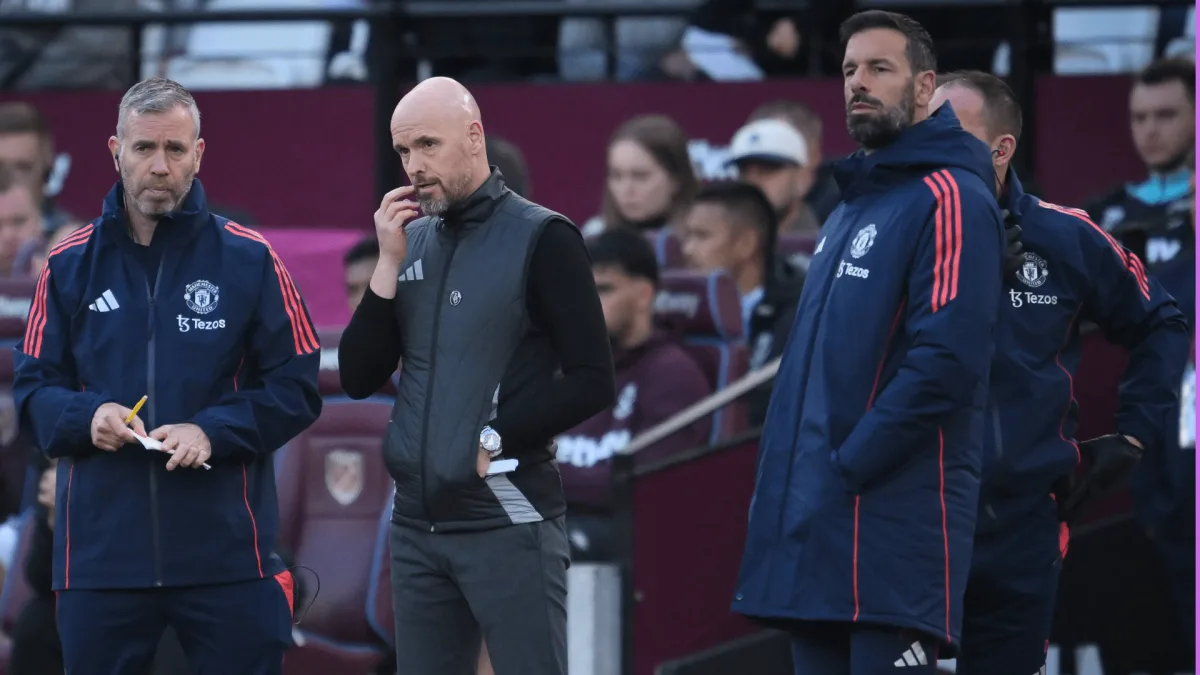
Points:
(491, 441)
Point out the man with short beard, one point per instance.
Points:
(161, 300)
(489, 304)
(863, 514)
(1153, 217)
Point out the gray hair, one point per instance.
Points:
(156, 95)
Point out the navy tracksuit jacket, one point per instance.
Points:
(216, 335)
(868, 476)
(1072, 272)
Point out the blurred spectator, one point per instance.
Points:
(27, 150)
(823, 195)
(70, 57)
(506, 156)
(33, 256)
(655, 380)
(36, 649)
(583, 44)
(14, 456)
(1151, 217)
(20, 221)
(733, 40)
(731, 226)
(359, 263)
(650, 179)
(772, 156)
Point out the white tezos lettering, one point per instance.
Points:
(1021, 298)
(851, 270)
(186, 324)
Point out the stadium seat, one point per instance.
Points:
(332, 484)
(667, 249)
(254, 54)
(16, 591)
(707, 311)
(15, 297)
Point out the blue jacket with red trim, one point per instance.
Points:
(1073, 272)
(223, 341)
(868, 477)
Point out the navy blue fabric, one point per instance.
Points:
(240, 362)
(240, 628)
(868, 476)
(1009, 606)
(1073, 273)
(849, 649)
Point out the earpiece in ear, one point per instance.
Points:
(997, 153)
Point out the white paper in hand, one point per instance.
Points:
(149, 443)
(502, 466)
(153, 444)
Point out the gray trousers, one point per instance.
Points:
(506, 586)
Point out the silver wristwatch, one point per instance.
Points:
(489, 440)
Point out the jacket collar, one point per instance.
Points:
(176, 227)
(476, 209)
(1013, 193)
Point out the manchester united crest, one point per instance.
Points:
(201, 296)
(1033, 270)
(344, 475)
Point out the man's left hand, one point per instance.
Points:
(1111, 460)
(483, 461)
(187, 443)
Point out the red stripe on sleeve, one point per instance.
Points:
(303, 335)
(947, 252)
(35, 325)
(937, 235)
(36, 310)
(956, 260)
(1131, 261)
(307, 333)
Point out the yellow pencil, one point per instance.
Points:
(133, 413)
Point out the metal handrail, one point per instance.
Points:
(419, 9)
(704, 406)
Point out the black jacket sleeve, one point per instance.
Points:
(563, 302)
(370, 347)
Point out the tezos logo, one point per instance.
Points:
(1021, 298)
(187, 323)
(852, 271)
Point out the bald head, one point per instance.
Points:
(437, 131)
(438, 96)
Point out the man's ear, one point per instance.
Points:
(1003, 149)
(114, 149)
(924, 84)
(199, 153)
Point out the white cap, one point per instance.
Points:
(769, 140)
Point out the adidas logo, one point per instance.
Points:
(107, 302)
(413, 273)
(913, 656)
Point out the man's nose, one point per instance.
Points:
(158, 165)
